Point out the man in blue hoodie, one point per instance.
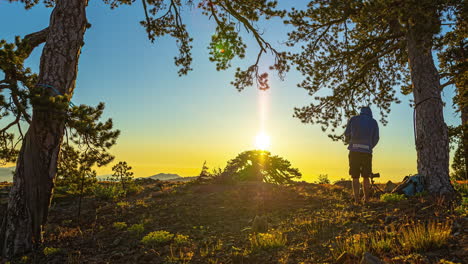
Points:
(362, 134)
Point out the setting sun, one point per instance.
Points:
(262, 141)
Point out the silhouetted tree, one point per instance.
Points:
(204, 174)
(122, 172)
(259, 165)
(361, 51)
(323, 179)
(42, 101)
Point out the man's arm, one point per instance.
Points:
(347, 132)
(375, 136)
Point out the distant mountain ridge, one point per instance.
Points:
(170, 177)
(164, 176)
(6, 174)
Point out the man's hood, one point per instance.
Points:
(366, 111)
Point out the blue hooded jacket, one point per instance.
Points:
(362, 132)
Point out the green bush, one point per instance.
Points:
(109, 192)
(181, 239)
(392, 197)
(266, 241)
(51, 251)
(157, 238)
(137, 229)
(120, 225)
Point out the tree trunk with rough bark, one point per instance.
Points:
(431, 131)
(33, 182)
(464, 118)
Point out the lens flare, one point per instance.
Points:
(262, 141)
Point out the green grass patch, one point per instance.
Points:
(136, 229)
(392, 197)
(51, 251)
(157, 238)
(181, 239)
(119, 225)
(267, 241)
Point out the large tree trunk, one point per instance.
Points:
(431, 131)
(464, 118)
(33, 182)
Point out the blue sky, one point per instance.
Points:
(173, 124)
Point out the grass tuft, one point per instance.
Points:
(136, 229)
(157, 238)
(51, 251)
(414, 237)
(420, 236)
(392, 197)
(181, 239)
(266, 241)
(119, 225)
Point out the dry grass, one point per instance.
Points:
(411, 237)
(421, 236)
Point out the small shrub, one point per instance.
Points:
(392, 197)
(157, 238)
(51, 251)
(141, 203)
(356, 245)
(382, 242)
(462, 209)
(461, 188)
(181, 239)
(266, 241)
(25, 259)
(108, 193)
(323, 179)
(421, 236)
(132, 188)
(123, 204)
(136, 229)
(120, 225)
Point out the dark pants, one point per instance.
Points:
(360, 164)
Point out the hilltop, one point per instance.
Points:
(173, 222)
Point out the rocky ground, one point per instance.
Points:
(213, 223)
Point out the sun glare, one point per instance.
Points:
(262, 141)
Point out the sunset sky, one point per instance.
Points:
(173, 124)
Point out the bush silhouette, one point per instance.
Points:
(259, 165)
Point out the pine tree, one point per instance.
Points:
(361, 51)
(42, 101)
(259, 165)
(122, 173)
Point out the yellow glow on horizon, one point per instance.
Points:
(262, 141)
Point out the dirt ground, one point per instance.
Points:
(218, 219)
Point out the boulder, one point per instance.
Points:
(368, 258)
(260, 224)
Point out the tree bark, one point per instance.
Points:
(431, 131)
(33, 182)
(464, 118)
